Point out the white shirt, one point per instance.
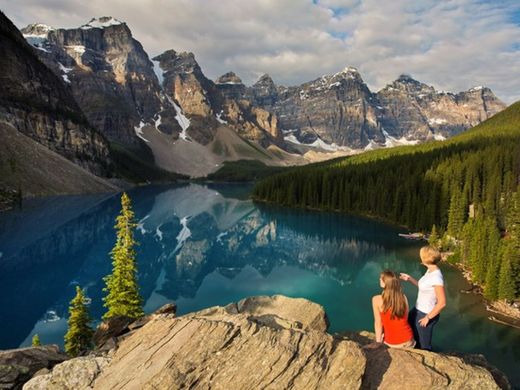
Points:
(426, 299)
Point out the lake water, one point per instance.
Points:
(205, 245)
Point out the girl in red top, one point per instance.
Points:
(391, 313)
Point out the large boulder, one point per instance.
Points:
(261, 342)
(286, 312)
(110, 331)
(74, 374)
(17, 366)
(390, 368)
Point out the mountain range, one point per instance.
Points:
(93, 95)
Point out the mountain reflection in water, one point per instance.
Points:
(205, 245)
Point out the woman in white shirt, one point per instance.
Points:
(431, 298)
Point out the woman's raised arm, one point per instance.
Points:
(408, 278)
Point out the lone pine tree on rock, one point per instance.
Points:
(78, 338)
(123, 298)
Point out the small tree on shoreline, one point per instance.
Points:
(35, 342)
(123, 298)
(433, 240)
(78, 338)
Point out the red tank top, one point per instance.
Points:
(396, 330)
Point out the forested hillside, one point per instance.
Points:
(467, 188)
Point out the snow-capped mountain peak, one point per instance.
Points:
(102, 22)
(37, 30)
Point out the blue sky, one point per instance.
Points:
(451, 44)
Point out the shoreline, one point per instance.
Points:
(499, 311)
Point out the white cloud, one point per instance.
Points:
(453, 45)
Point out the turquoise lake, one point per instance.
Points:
(205, 245)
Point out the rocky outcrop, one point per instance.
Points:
(260, 342)
(231, 86)
(38, 104)
(17, 366)
(110, 331)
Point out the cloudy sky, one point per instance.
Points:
(451, 44)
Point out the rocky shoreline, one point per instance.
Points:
(500, 311)
(260, 342)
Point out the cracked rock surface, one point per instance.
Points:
(260, 342)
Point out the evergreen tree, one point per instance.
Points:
(35, 342)
(122, 289)
(506, 287)
(491, 264)
(78, 338)
(456, 214)
(433, 240)
(513, 230)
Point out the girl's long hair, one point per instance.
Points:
(393, 296)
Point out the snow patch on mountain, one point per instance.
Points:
(438, 137)
(392, 141)
(158, 121)
(372, 145)
(139, 131)
(437, 121)
(103, 22)
(219, 118)
(41, 48)
(183, 121)
(318, 143)
(158, 71)
(65, 70)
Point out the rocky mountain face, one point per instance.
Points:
(110, 75)
(211, 104)
(166, 106)
(169, 107)
(259, 342)
(182, 80)
(340, 109)
(417, 111)
(38, 104)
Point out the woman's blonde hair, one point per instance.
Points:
(393, 296)
(429, 255)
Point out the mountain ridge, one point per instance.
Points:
(327, 117)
